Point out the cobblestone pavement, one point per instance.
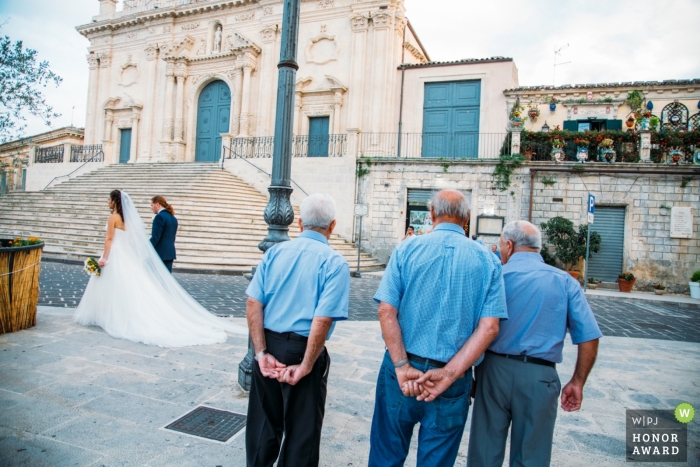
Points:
(63, 285)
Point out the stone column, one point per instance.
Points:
(108, 7)
(91, 111)
(103, 92)
(245, 101)
(66, 153)
(149, 110)
(133, 156)
(179, 107)
(359, 25)
(337, 102)
(107, 143)
(382, 29)
(266, 71)
(236, 101)
(645, 146)
(515, 140)
(168, 108)
(298, 113)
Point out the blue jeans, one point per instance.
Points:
(441, 421)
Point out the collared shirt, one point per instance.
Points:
(442, 284)
(543, 302)
(299, 280)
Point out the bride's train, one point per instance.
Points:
(136, 298)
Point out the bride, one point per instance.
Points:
(136, 298)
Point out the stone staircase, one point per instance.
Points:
(220, 216)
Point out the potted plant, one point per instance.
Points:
(20, 263)
(581, 149)
(625, 281)
(659, 289)
(593, 283)
(630, 121)
(695, 284)
(569, 244)
(557, 152)
(654, 122)
(533, 112)
(606, 153)
(553, 104)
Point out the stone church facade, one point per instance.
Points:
(173, 80)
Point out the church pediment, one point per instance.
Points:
(309, 85)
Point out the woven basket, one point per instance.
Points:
(19, 286)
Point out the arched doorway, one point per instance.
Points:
(213, 113)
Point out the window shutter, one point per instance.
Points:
(571, 125)
(614, 124)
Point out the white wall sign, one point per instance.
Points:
(681, 222)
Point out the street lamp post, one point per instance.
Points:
(279, 213)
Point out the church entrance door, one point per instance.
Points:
(213, 111)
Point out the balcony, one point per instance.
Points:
(458, 145)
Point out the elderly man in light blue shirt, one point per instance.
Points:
(441, 299)
(300, 289)
(517, 384)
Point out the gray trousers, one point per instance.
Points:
(519, 395)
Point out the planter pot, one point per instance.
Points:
(630, 123)
(659, 292)
(625, 286)
(592, 286)
(19, 286)
(574, 274)
(694, 289)
(552, 107)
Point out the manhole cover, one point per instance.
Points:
(209, 423)
(655, 326)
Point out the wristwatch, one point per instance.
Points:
(262, 352)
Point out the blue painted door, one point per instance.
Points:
(213, 113)
(124, 146)
(451, 119)
(318, 136)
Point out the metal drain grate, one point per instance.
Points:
(655, 326)
(209, 423)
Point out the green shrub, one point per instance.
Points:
(696, 276)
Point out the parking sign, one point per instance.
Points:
(591, 208)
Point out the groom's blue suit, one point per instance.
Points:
(163, 237)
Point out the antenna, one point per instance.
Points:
(557, 51)
(71, 116)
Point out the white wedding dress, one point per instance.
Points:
(136, 298)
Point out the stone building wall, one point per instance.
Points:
(649, 251)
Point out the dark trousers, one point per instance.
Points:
(169, 264)
(516, 395)
(277, 410)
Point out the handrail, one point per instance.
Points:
(236, 156)
(84, 163)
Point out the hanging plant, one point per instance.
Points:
(505, 168)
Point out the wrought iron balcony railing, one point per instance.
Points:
(456, 145)
(86, 153)
(49, 155)
(260, 147)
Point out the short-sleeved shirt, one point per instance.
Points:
(543, 302)
(441, 284)
(299, 280)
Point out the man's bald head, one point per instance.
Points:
(523, 234)
(450, 206)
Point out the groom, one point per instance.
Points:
(164, 230)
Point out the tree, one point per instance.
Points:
(21, 80)
(569, 245)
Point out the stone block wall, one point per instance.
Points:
(649, 251)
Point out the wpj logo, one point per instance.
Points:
(658, 435)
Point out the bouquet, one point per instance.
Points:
(91, 267)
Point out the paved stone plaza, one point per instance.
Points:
(62, 285)
(71, 395)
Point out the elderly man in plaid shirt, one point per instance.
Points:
(441, 300)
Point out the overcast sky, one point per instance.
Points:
(608, 41)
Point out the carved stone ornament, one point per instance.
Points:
(105, 59)
(268, 10)
(129, 73)
(151, 51)
(322, 49)
(189, 27)
(132, 35)
(92, 61)
(268, 33)
(381, 19)
(415, 52)
(359, 22)
(167, 29)
(323, 4)
(245, 16)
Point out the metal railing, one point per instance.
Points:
(49, 155)
(98, 157)
(457, 145)
(261, 147)
(542, 151)
(233, 155)
(87, 152)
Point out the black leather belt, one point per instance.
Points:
(526, 359)
(288, 335)
(425, 361)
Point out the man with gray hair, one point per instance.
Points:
(300, 289)
(517, 384)
(441, 299)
